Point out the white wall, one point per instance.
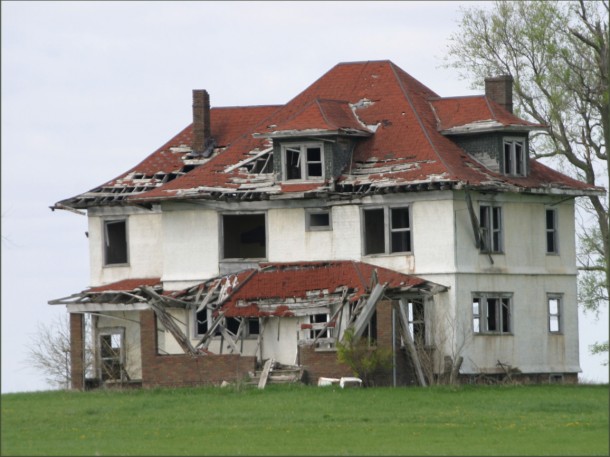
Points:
(189, 245)
(145, 257)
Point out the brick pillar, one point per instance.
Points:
(77, 351)
(148, 344)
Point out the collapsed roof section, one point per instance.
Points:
(402, 135)
(174, 159)
(273, 289)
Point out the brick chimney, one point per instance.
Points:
(500, 90)
(201, 120)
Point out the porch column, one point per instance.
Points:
(77, 351)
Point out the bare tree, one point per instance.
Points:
(49, 351)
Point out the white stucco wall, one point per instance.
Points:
(145, 258)
(189, 245)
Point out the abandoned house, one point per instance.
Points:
(257, 236)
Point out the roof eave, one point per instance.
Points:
(476, 128)
(280, 134)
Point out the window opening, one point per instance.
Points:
(514, 157)
(554, 305)
(491, 313)
(319, 319)
(551, 231)
(244, 236)
(111, 356)
(491, 228)
(115, 242)
(318, 220)
(304, 161)
(417, 325)
(400, 230)
(374, 240)
(397, 236)
(202, 322)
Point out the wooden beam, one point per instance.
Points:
(367, 310)
(262, 382)
(406, 336)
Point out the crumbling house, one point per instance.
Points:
(367, 202)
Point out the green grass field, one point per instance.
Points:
(302, 420)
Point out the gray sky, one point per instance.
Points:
(91, 88)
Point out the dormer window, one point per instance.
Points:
(304, 161)
(514, 157)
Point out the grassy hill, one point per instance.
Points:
(305, 420)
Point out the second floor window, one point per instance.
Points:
(387, 230)
(491, 228)
(303, 161)
(115, 242)
(514, 157)
(551, 231)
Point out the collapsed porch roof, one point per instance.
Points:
(272, 289)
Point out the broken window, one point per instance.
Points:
(491, 228)
(115, 242)
(551, 231)
(303, 161)
(111, 343)
(491, 313)
(554, 305)
(244, 236)
(417, 325)
(317, 219)
(319, 319)
(202, 320)
(398, 223)
(514, 157)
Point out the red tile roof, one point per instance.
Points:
(408, 147)
(460, 111)
(285, 283)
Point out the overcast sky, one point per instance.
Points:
(91, 88)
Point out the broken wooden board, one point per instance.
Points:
(367, 311)
(265, 374)
(406, 336)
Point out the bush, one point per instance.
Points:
(366, 362)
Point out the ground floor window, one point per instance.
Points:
(491, 313)
(112, 354)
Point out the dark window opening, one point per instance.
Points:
(115, 242)
(401, 230)
(202, 324)
(491, 314)
(374, 238)
(232, 324)
(293, 163)
(514, 158)
(491, 228)
(253, 326)
(244, 236)
(551, 231)
(318, 220)
(314, 162)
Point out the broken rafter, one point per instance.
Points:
(158, 303)
(367, 310)
(406, 336)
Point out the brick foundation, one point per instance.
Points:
(77, 351)
(186, 370)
